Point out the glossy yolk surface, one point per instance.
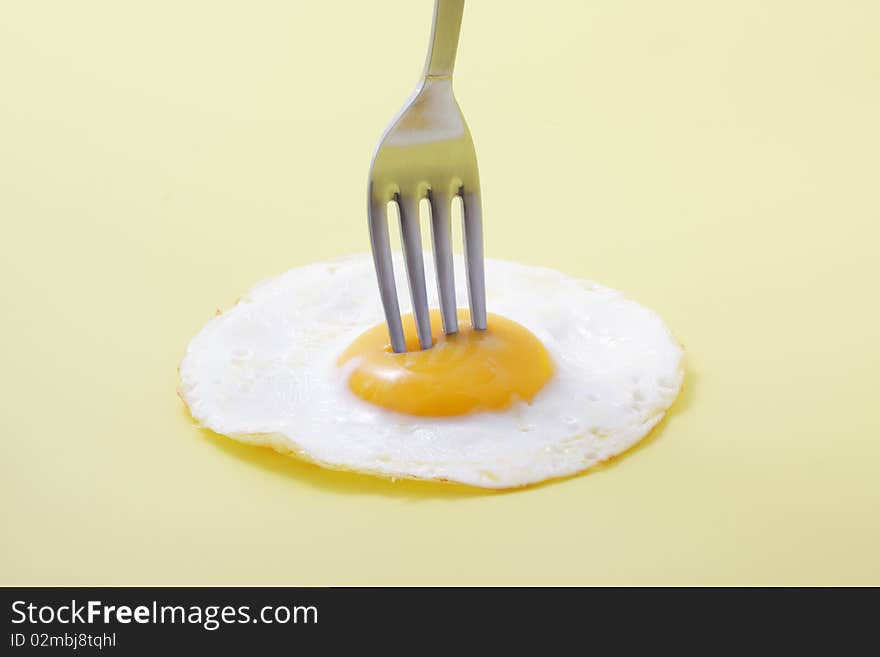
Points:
(462, 373)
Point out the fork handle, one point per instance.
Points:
(444, 38)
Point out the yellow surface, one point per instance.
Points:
(465, 372)
(717, 161)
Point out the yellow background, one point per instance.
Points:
(717, 161)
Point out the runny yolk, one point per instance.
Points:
(462, 373)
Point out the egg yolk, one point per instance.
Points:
(462, 373)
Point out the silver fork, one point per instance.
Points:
(427, 152)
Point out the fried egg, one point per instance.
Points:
(568, 374)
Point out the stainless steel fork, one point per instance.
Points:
(427, 152)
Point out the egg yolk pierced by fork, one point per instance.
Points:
(465, 372)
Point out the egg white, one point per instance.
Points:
(265, 372)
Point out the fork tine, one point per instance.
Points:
(441, 230)
(377, 208)
(473, 246)
(411, 236)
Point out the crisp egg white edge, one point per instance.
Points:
(287, 446)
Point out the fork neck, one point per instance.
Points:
(444, 38)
